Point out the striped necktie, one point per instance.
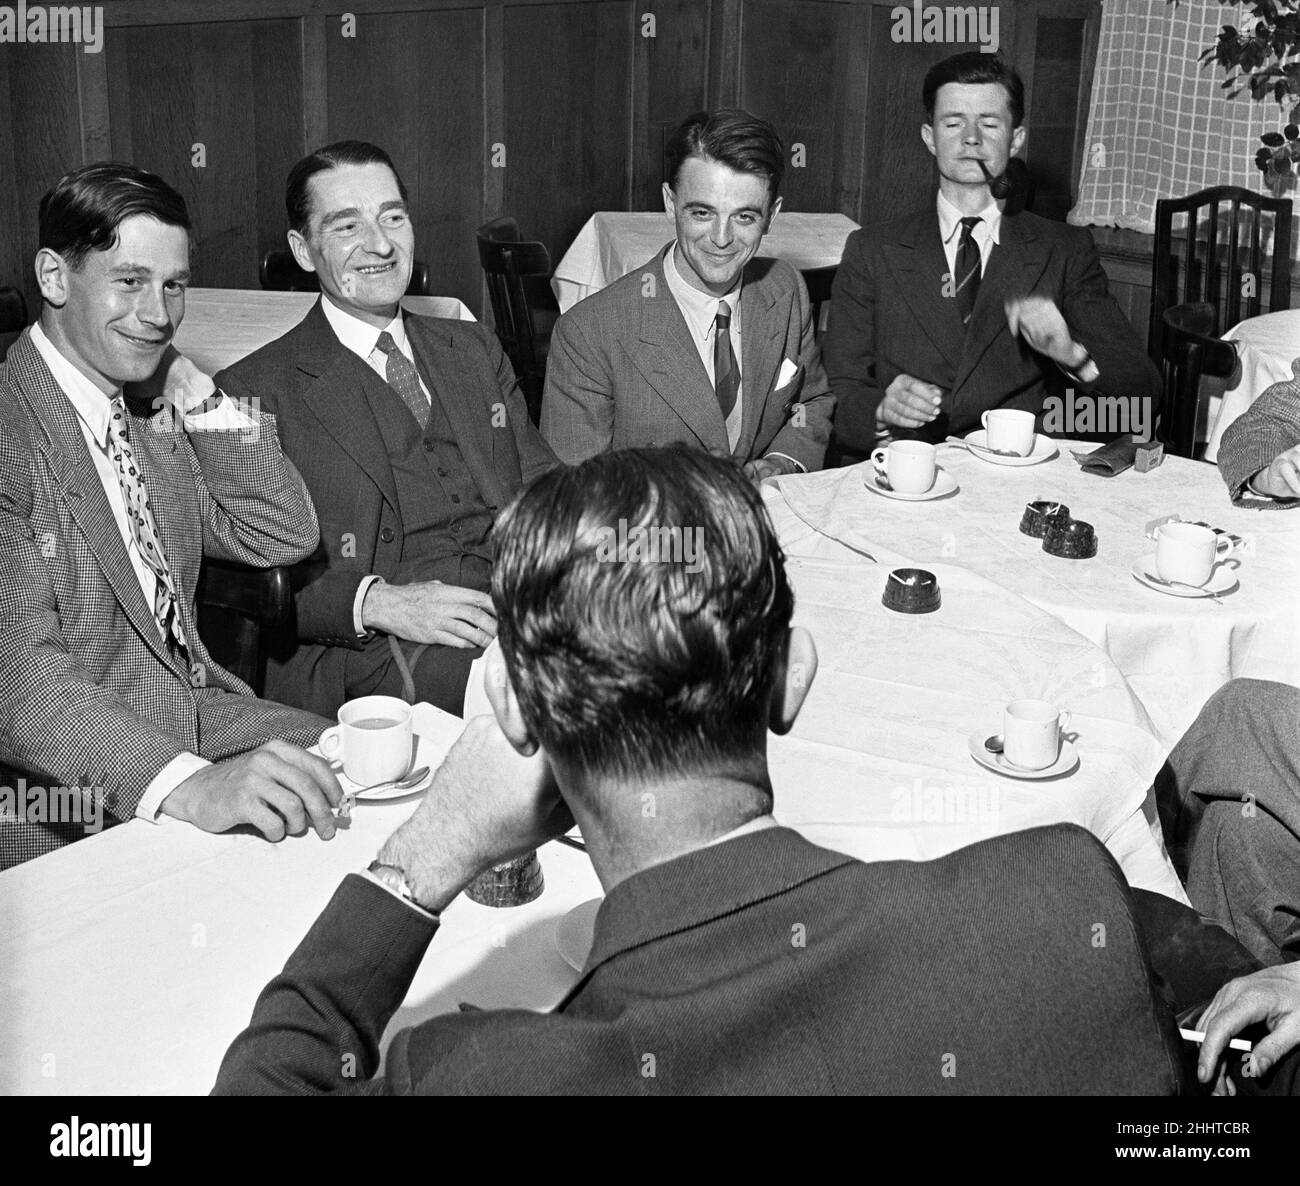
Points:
(968, 270)
(404, 379)
(139, 514)
(726, 376)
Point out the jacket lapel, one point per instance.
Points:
(64, 448)
(670, 362)
(919, 266)
(1014, 267)
(762, 328)
(337, 398)
(489, 451)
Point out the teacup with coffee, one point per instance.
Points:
(906, 466)
(373, 738)
(1188, 553)
(1009, 431)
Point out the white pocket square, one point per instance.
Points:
(787, 372)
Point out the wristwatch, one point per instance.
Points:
(394, 877)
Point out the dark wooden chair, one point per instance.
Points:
(279, 272)
(1219, 246)
(1189, 350)
(524, 309)
(240, 611)
(819, 281)
(13, 317)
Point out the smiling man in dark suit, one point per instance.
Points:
(410, 433)
(108, 504)
(940, 316)
(706, 345)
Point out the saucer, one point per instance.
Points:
(1044, 449)
(1222, 580)
(576, 932)
(944, 484)
(1065, 762)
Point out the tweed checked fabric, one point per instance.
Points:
(1268, 428)
(726, 380)
(90, 694)
(968, 269)
(403, 378)
(139, 514)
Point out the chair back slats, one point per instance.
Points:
(1188, 351)
(1221, 238)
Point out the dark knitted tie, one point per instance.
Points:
(968, 270)
(726, 376)
(403, 378)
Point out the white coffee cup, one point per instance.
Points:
(373, 737)
(1009, 430)
(1187, 553)
(908, 466)
(1031, 733)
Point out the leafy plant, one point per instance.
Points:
(1261, 57)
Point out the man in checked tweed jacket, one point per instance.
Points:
(1259, 456)
(105, 514)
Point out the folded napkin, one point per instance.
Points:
(1110, 459)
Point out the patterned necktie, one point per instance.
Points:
(403, 378)
(139, 514)
(726, 376)
(968, 270)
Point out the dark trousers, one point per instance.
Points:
(438, 674)
(1229, 803)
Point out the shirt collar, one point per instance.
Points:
(950, 219)
(357, 335)
(699, 308)
(757, 824)
(91, 404)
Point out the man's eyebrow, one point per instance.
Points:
(338, 215)
(144, 272)
(393, 204)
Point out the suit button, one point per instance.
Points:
(386, 535)
(455, 498)
(428, 446)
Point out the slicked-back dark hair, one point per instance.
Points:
(83, 210)
(973, 69)
(632, 669)
(735, 138)
(297, 199)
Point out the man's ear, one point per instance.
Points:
(793, 680)
(771, 218)
(505, 705)
(298, 245)
(52, 276)
(1018, 140)
(927, 134)
(670, 202)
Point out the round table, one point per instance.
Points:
(1174, 652)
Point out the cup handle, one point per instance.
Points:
(1222, 546)
(878, 460)
(1064, 721)
(331, 742)
(984, 419)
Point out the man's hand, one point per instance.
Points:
(1271, 995)
(278, 788)
(768, 467)
(487, 804)
(909, 403)
(1040, 323)
(1282, 478)
(431, 612)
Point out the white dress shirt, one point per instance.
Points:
(361, 338)
(92, 408)
(986, 232)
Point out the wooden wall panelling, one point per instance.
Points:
(670, 75)
(40, 140)
(568, 115)
(236, 89)
(803, 67)
(412, 82)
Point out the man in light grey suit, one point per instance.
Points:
(705, 345)
(110, 704)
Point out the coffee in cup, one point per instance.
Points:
(1031, 733)
(1009, 430)
(373, 738)
(1187, 553)
(908, 466)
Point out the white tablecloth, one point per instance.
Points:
(611, 244)
(1266, 347)
(223, 325)
(1174, 652)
